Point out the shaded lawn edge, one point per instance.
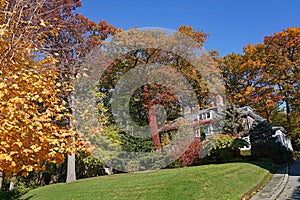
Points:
(266, 164)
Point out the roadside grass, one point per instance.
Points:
(258, 187)
(221, 181)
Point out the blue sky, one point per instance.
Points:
(231, 24)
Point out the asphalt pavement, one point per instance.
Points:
(285, 184)
(292, 187)
(275, 186)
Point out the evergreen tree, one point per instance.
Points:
(261, 132)
(232, 123)
(263, 144)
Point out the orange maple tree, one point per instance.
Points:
(30, 134)
(266, 75)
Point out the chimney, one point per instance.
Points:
(187, 110)
(219, 103)
(219, 100)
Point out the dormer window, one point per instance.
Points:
(205, 115)
(208, 115)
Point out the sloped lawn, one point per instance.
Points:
(223, 181)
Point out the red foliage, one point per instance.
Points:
(191, 155)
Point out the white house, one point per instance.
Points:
(280, 134)
(210, 118)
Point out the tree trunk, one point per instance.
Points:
(288, 113)
(152, 120)
(154, 128)
(108, 169)
(12, 184)
(1, 179)
(71, 172)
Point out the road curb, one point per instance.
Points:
(281, 185)
(275, 186)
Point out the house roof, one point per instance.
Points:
(175, 124)
(248, 111)
(279, 128)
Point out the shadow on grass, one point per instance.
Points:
(268, 165)
(12, 195)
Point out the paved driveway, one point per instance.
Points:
(292, 188)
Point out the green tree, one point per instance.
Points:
(262, 140)
(232, 123)
(261, 132)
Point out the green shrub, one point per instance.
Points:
(221, 148)
(132, 166)
(19, 190)
(263, 144)
(296, 155)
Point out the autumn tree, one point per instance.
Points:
(245, 83)
(282, 62)
(159, 60)
(74, 37)
(31, 112)
(74, 41)
(42, 46)
(279, 60)
(266, 77)
(143, 102)
(230, 66)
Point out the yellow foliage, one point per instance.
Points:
(42, 23)
(28, 104)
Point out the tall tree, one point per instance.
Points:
(38, 34)
(72, 44)
(266, 76)
(151, 93)
(31, 111)
(245, 82)
(76, 37)
(282, 64)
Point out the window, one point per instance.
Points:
(205, 115)
(207, 130)
(197, 132)
(208, 115)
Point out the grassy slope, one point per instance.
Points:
(224, 181)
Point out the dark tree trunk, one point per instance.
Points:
(154, 128)
(152, 120)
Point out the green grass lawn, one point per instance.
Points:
(222, 181)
